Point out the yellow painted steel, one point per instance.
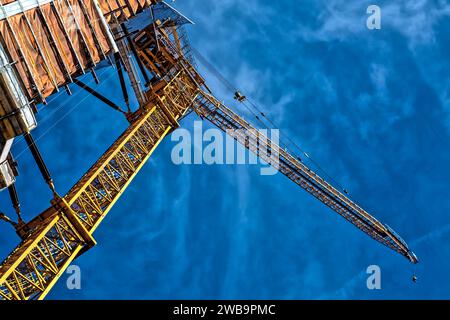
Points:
(58, 235)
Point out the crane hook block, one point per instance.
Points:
(239, 97)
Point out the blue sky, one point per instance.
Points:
(372, 107)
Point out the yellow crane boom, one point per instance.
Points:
(208, 107)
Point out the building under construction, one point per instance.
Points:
(45, 46)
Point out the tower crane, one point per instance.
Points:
(155, 51)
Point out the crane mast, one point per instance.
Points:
(57, 236)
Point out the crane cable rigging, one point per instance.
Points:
(256, 112)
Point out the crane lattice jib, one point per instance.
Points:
(213, 110)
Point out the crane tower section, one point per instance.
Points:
(58, 235)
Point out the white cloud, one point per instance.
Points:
(341, 19)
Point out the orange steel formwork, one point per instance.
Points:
(52, 42)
